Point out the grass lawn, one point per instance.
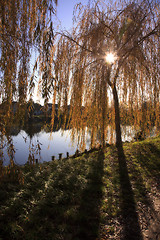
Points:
(90, 197)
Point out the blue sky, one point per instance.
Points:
(65, 11)
(64, 14)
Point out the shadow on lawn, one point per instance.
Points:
(148, 157)
(60, 203)
(89, 210)
(146, 167)
(62, 200)
(130, 222)
(75, 215)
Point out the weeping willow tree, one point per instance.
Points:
(92, 81)
(26, 30)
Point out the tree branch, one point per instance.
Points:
(73, 40)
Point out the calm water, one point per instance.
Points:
(50, 144)
(53, 144)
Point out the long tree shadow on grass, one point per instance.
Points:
(148, 157)
(89, 209)
(131, 226)
(76, 214)
(58, 202)
(144, 168)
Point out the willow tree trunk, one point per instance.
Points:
(104, 105)
(117, 122)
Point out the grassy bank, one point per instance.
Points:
(84, 198)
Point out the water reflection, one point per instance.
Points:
(50, 144)
(29, 141)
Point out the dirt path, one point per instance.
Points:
(150, 218)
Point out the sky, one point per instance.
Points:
(64, 14)
(65, 11)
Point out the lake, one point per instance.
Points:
(53, 144)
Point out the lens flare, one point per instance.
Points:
(110, 58)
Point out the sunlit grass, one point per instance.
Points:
(76, 198)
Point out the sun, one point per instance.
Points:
(110, 58)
